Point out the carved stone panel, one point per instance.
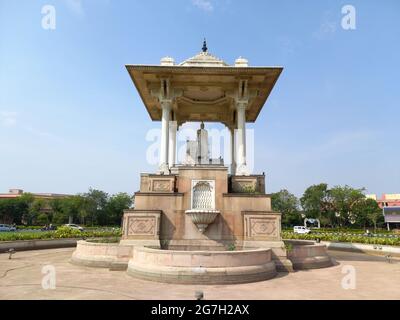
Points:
(262, 226)
(245, 186)
(141, 224)
(161, 185)
(248, 184)
(154, 183)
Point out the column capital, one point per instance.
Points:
(241, 104)
(166, 102)
(166, 94)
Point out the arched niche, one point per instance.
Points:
(203, 194)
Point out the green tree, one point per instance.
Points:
(12, 210)
(373, 213)
(71, 207)
(96, 202)
(116, 205)
(35, 209)
(28, 215)
(344, 201)
(58, 216)
(316, 203)
(288, 205)
(365, 210)
(42, 218)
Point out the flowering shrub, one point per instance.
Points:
(343, 237)
(67, 232)
(60, 233)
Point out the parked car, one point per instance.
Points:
(301, 230)
(7, 228)
(74, 226)
(49, 228)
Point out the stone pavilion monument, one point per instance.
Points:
(202, 204)
(200, 221)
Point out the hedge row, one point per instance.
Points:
(341, 237)
(60, 233)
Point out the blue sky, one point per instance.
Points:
(70, 117)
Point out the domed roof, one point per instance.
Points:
(203, 87)
(204, 59)
(241, 62)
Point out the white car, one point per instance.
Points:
(301, 230)
(6, 228)
(74, 226)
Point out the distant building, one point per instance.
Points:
(390, 203)
(387, 199)
(392, 217)
(15, 193)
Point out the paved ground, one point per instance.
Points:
(21, 278)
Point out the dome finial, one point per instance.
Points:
(204, 46)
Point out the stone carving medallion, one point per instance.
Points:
(262, 226)
(141, 226)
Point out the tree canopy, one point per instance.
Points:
(92, 208)
(288, 205)
(339, 206)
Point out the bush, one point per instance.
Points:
(67, 232)
(344, 237)
(61, 232)
(23, 227)
(105, 240)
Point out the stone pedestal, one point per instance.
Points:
(141, 228)
(263, 230)
(244, 220)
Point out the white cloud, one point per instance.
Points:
(76, 7)
(41, 133)
(204, 5)
(8, 119)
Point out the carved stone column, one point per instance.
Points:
(166, 110)
(241, 168)
(172, 143)
(233, 151)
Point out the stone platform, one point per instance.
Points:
(189, 266)
(168, 209)
(21, 278)
(202, 267)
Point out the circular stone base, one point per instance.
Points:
(308, 255)
(101, 255)
(202, 267)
